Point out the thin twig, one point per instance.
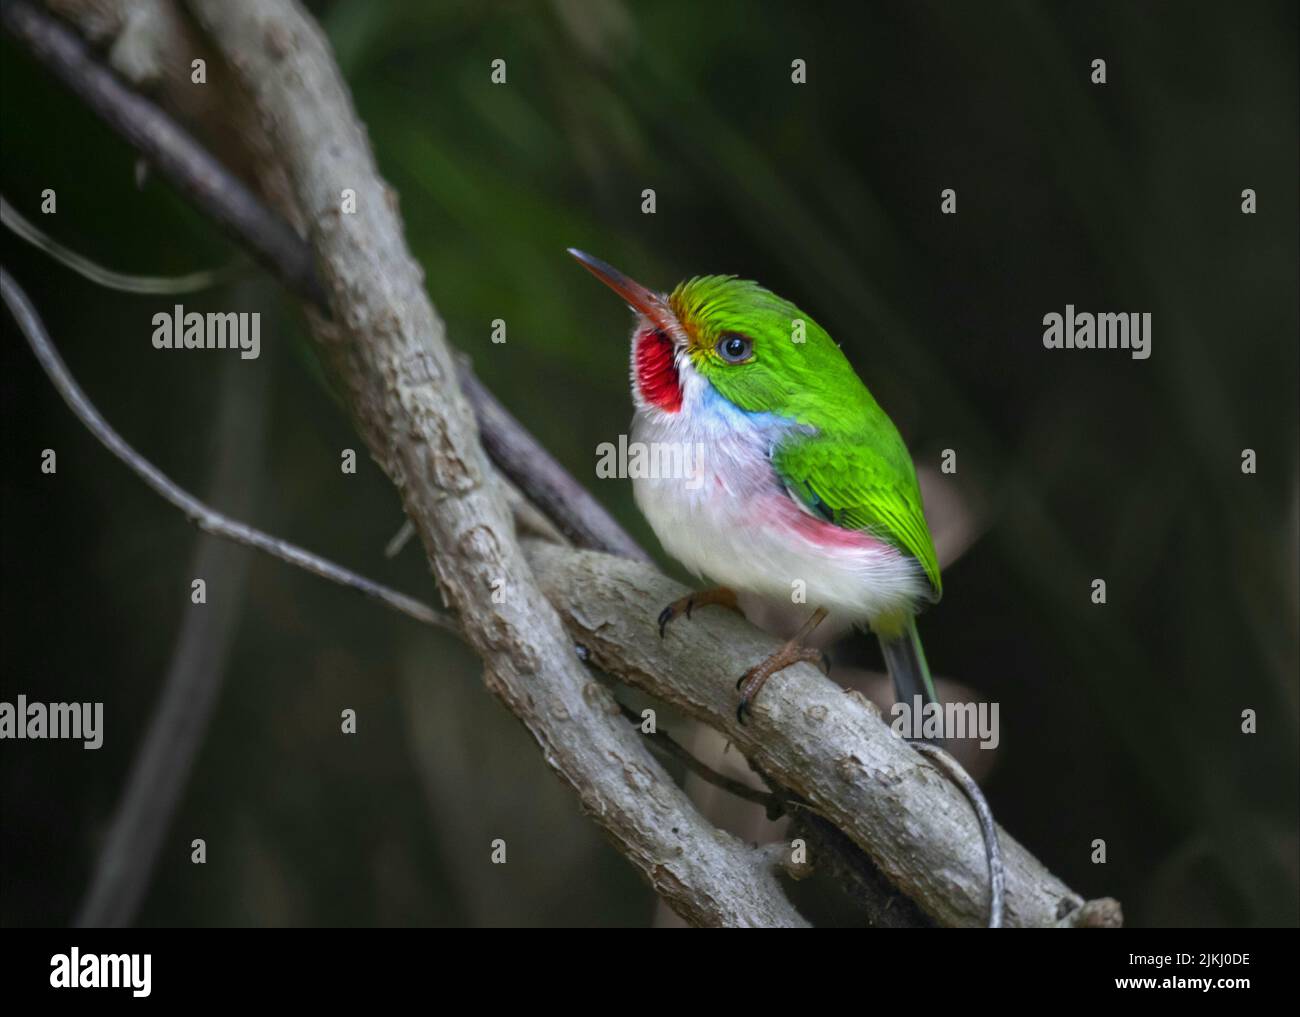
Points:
(186, 164)
(224, 198)
(155, 783)
(842, 861)
(537, 473)
(399, 539)
(958, 775)
(206, 518)
(106, 277)
(658, 739)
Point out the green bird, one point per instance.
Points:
(799, 490)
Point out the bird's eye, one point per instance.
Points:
(735, 349)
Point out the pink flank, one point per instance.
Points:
(782, 511)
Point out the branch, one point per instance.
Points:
(233, 206)
(774, 805)
(399, 376)
(206, 518)
(106, 277)
(176, 155)
(179, 723)
(836, 857)
(806, 736)
(548, 485)
(988, 828)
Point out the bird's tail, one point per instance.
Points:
(905, 660)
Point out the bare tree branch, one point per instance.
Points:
(162, 763)
(389, 349)
(181, 159)
(206, 518)
(230, 203)
(807, 736)
(547, 484)
(106, 277)
(988, 828)
(839, 859)
(661, 741)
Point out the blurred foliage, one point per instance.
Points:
(1119, 722)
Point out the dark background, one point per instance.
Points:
(1119, 722)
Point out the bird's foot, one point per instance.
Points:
(752, 680)
(720, 595)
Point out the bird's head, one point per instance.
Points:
(755, 349)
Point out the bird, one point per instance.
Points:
(800, 493)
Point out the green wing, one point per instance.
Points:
(867, 485)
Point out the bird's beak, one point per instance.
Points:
(643, 301)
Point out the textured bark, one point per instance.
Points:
(390, 350)
(807, 735)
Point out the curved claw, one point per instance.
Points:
(671, 612)
(665, 616)
(720, 595)
(753, 680)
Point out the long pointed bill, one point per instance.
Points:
(640, 299)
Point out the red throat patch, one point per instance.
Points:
(656, 373)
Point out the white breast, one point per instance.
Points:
(732, 521)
